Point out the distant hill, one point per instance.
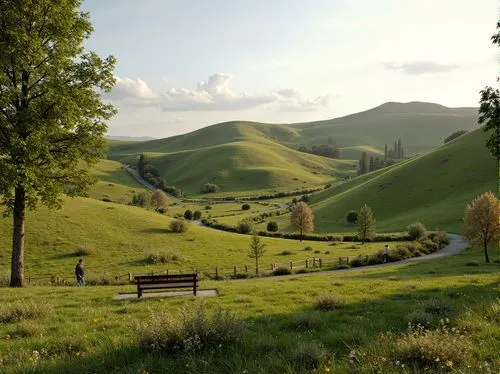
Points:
(129, 138)
(244, 156)
(432, 188)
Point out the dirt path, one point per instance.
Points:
(457, 245)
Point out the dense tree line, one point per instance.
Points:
(148, 172)
(329, 150)
(391, 155)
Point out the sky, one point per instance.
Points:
(187, 64)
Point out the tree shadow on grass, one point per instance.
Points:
(272, 340)
(157, 230)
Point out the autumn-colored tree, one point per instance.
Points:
(159, 199)
(302, 219)
(52, 116)
(256, 251)
(366, 222)
(481, 221)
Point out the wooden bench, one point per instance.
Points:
(157, 282)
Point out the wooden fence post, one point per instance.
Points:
(216, 272)
(347, 259)
(320, 262)
(291, 265)
(130, 277)
(234, 270)
(307, 263)
(246, 268)
(340, 260)
(314, 262)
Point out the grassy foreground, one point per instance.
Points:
(277, 328)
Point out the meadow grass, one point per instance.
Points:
(282, 331)
(120, 239)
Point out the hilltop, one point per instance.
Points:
(248, 157)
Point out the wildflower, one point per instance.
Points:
(77, 354)
(437, 359)
(327, 369)
(449, 363)
(7, 337)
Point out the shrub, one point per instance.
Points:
(208, 207)
(22, 310)
(282, 270)
(286, 252)
(161, 210)
(416, 231)
(196, 215)
(305, 198)
(454, 135)
(400, 253)
(327, 302)
(439, 237)
(179, 226)
(142, 199)
(272, 226)
(26, 330)
(106, 200)
(209, 188)
(193, 330)
(163, 258)
(83, 250)
(415, 248)
(317, 251)
(310, 356)
(358, 261)
(419, 317)
(308, 248)
(245, 207)
(437, 306)
(428, 246)
(244, 227)
(188, 214)
(352, 216)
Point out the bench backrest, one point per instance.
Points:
(170, 278)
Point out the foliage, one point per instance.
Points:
(179, 226)
(188, 214)
(272, 226)
(163, 258)
(489, 110)
(327, 302)
(245, 206)
(416, 231)
(196, 215)
(244, 227)
(256, 251)
(481, 221)
(51, 112)
(209, 188)
(282, 270)
(159, 199)
(366, 223)
(325, 150)
(142, 199)
(22, 310)
(310, 356)
(302, 218)
(84, 250)
(454, 135)
(194, 330)
(352, 216)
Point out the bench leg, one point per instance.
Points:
(139, 292)
(194, 289)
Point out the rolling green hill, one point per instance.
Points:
(432, 188)
(249, 157)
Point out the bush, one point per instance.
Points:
(310, 356)
(328, 302)
(352, 216)
(308, 248)
(428, 246)
(415, 248)
(22, 310)
(286, 252)
(245, 207)
(416, 231)
(209, 188)
(161, 210)
(83, 250)
(142, 199)
(272, 226)
(454, 135)
(179, 226)
(439, 237)
(419, 317)
(282, 271)
(208, 207)
(188, 214)
(196, 215)
(400, 253)
(193, 330)
(305, 198)
(437, 306)
(163, 258)
(244, 227)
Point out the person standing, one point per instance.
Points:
(80, 273)
(385, 255)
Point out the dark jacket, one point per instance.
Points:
(79, 271)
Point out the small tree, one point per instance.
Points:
(245, 206)
(366, 223)
(179, 226)
(209, 188)
(188, 215)
(196, 215)
(352, 217)
(244, 227)
(142, 199)
(302, 219)
(256, 250)
(481, 221)
(159, 199)
(416, 231)
(272, 226)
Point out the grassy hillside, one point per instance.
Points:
(432, 188)
(120, 238)
(239, 157)
(242, 157)
(114, 182)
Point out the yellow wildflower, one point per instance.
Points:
(449, 363)
(436, 359)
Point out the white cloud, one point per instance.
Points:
(420, 67)
(212, 95)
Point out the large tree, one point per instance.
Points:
(302, 219)
(489, 110)
(51, 114)
(481, 221)
(366, 223)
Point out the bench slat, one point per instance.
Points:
(166, 285)
(156, 282)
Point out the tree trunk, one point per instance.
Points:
(257, 265)
(301, 234)
(17, 263)
(486, 252)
